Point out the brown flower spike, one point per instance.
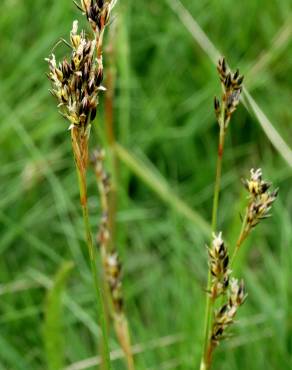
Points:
(218, 264)
(76, 84)
(231, 86)
(97, 12)
(261, 199)
(232, 292)
(224, 317)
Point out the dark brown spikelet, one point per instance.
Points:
(218, 264)
(232, 87)
(97, 13)
(225, 315)
(261, 198)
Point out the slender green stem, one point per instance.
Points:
(81, 173)
(242, 236)
(205, 361)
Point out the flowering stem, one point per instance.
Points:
(112, 278)
(206, 357)
(120, 320)
(111, 139)
(81, 165)
(242, 236)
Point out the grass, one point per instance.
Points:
(164, 120)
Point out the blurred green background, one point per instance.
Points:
(164, 120)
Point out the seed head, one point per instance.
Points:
(261, 198)
(232, 87)
(224, 316)
(97, 12)
(113, 273)
(256, 185)
(76, 84)
(218, 264)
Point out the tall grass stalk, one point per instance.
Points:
(231, 89)
(221, 283)
(81, 174)
(76, 85)
(209, 300)
(110, 261)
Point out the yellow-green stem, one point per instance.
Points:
(81, 173)
(205, 361)
(242, 236)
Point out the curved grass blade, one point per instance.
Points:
(52, 331)
(159, 185)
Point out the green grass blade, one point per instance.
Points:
(161, 188)
(52, 331)
(268, 128)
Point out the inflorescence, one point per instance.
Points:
(110, 258)
(224, 317)
(218, 264)
(231, 87)
(76, 84)
(97, 13)
(261, 198)
(232, 291)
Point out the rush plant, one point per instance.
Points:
(77, 83)
(225, 293)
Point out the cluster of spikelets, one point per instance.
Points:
(76, 84)
(112, 268)
(219, 266)
(261, 198)
(110, 259)
(113, 272)
(225, 315)
(97, 13)
(231, 86)
(223, 285)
